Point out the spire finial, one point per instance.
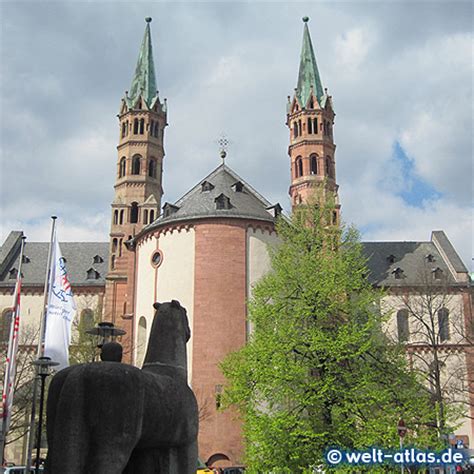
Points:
(148, 19)
(223, 143)
(305, 19)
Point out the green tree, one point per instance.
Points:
(318, 371)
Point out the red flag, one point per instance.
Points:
(10, 366)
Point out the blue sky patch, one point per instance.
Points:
(413, 190)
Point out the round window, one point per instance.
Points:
(156, 258)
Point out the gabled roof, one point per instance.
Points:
(199, 202)
(416, 260)
(79, 258)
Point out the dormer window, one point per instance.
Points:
(13, 273)
(437, 273)
(275, 210)
(238, 187)
(169, 209)
(206, 186)
(222, 202)
(430, 258)
(25, 259)
(391, 258)
(98, 259)
(93, 274)
(398, 273)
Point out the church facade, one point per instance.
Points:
(210, 247)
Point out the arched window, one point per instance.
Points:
(135, 126)
(112, 262)
(116, 213)
(157, 129)
(311, 103)
(152, 168)
(5, 325)
(443, 324)
(403, 328)
(145, 216)
(124, 129)
(120, 247)
(152, 216)
(141, 340)
(315, 125)
(310, 125)
(314, 164)
(121, 217)
(136, 164)
(142, 126)
(134, 213)
(295, 129)
(114, 245)
(328, 166)
(298, 167)
(152, 127)
(123, 164)
(299, 127)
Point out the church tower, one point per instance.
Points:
(138, 189)
(310, 119)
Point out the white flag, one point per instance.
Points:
(60, 311)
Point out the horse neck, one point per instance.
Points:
(166, 355)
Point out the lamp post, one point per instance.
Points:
(42, 367)
(105, 332)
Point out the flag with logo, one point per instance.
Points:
(10, 366)
(60, 310)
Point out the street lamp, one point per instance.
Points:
(105, 332)
(42, 369)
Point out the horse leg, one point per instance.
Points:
(187, 458)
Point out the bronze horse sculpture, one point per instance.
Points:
(112, 418)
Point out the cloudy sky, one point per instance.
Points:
(400, 74)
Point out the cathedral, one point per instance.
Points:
(210, 247)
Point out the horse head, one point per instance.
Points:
(168, 337)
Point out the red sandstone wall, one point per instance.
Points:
(219, 328)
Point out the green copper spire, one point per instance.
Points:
(144, 81)
(308, 75)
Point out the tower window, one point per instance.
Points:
(310, 125)
(298, 167)
(142, 126)
(443, 324)
(315, 125)
(156, 130)
(403, 328)
(145, 216)
(152, 127)
(299, 127)
(134, 213)
(314, 164)
(124, 129)
(121, 217)
(112, 264)
(295, 130)
(116, 213)
(122, 167)
(311, 103)
(152, 216)
(135, 126)
(114, 245)
(136, 164)
(152, 168)
(328, 167)
(120, 247)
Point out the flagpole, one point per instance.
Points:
(39, 351)
(4, 431)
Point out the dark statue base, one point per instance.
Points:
(112, 418)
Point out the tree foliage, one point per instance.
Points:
(318, 371)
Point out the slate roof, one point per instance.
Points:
(200, 201)
(410, 258)
(79, 260)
